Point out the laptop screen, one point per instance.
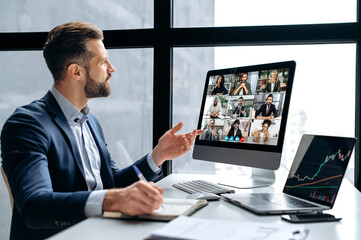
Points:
(318, 168)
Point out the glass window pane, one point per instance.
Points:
(126, 115)
(210, 13)
(43, 15)
(322, 102)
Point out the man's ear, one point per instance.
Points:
(75, 71)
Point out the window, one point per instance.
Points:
(194, 53)
(126, 115)
(223, 13)
(322, 101)
(28, 16)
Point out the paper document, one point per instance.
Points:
(172, 208)
(198, 229)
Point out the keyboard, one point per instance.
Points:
(283, 200)
(195, 186)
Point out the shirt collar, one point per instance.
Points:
(70, 111)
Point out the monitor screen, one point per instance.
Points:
(244, 112)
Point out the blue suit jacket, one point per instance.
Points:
(45, 172)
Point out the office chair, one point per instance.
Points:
(7, 185)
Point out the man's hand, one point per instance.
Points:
(172, 145)
(139, 198)
(214, 132)
(214, 114)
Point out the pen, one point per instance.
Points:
(139, 173)
(141, 176)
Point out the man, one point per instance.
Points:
(215, 109)
(267, 109)
(239, 110)
(242, 87)
(211, 133)
(54, 152)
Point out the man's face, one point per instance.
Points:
(240, 102)
(211, 124)
(269, 100)
(244, 78)
(215, 101)
(99, 72)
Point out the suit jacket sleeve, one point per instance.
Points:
(235, 111)
(25, 146)
(260, 110)
(275, 114)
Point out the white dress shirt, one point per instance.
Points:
(89, 153)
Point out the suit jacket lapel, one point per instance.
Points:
(63, 125)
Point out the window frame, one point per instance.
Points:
(164, 37)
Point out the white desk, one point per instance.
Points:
(347, 206)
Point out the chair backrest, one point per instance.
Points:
(7, 185)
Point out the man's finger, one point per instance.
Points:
(176, 128)
(194, 133)
(200, 131)
(148, 189)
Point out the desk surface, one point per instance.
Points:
(347, 206)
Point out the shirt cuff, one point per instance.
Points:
(152, 164)
(94, 203)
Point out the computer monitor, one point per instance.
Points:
(244, 114)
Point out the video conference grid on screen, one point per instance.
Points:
(245, 107)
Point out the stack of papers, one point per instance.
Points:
(184, 228)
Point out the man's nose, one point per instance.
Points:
(111, 68)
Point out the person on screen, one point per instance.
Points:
(240, 111)
(273, 84)
(215, 109)
(219, 89)
(263, 134)
(267, 109)
(54, 152)
(242, 87)
(235, 131)
(210, 133)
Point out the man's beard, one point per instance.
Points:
(94, 89)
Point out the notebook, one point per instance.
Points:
(171, 208)
(313, 181)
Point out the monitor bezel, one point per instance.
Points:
(249, 146)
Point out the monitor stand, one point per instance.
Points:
(259, 178)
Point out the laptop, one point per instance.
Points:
(313, 180)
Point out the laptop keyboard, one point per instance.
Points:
(202, 186)
(283, 200)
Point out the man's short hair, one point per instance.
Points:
(240, 98)
(67, 44)
(270, 95)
